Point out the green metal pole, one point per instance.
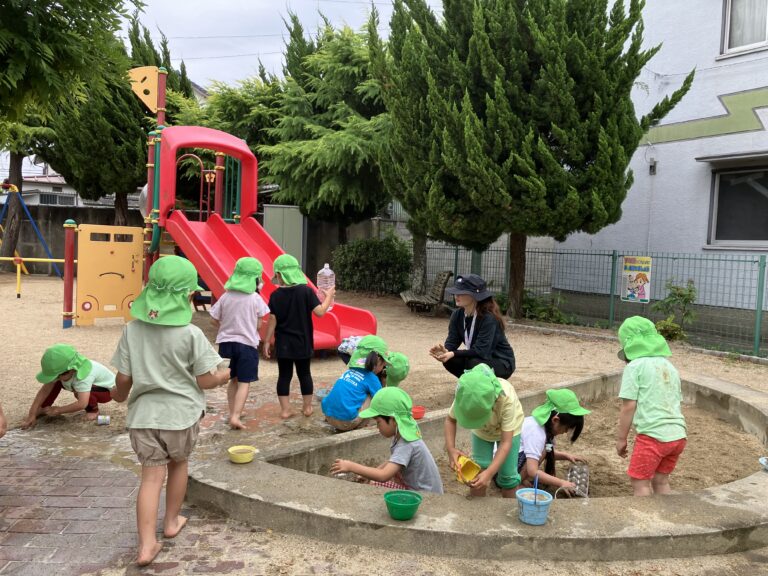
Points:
(612, 303)
(476, 263)
(759, 305)
(455, 261)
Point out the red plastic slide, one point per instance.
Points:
(214, 247)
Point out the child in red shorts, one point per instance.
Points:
(651, 397)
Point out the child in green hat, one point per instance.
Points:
(290, 321)
(560, 414)
(410, 465)
(163, 365)
(237, 316)
(356, 387)
(489, 407)
(63, 368)
(650, 400)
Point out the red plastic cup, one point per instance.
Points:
(418, 412)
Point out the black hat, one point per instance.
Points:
(471, 285)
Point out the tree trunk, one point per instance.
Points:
(516, 274)
(121, 209)
(419, 270)
(12, 225)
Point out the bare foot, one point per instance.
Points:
(285, 414)
(307, 411)
(146, 556)
(91, 415)
(235, 424)
(174, 526)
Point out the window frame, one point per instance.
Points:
(712, 241)
(727, 9)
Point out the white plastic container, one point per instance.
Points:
(326, 279)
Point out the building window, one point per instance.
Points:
(48, 198)
(66, 200)
(57, 188)
(747, 24)
(740, 208)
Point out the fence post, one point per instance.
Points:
(611, 305)
(455, 261)
(759, 305)
(476, 263)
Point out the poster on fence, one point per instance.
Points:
(636, 279)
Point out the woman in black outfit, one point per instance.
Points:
(477, 323)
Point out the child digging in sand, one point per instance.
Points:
(63, 368)
(290, 321)
(164, 363)
(237, 316)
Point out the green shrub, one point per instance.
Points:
(544, 309)
(670, 329)
(380, 266)
(502, 299)
(676, 305)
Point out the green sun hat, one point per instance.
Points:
(61, 358)
(639, 339)
(165, 299)
(397, 368)
(396, 403)
(290, 271)
(246, 276)
(476, 394)
(367, 345)
(561, 400)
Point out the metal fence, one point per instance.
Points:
(585, 286)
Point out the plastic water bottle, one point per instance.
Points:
(326, 279)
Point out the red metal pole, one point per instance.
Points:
(218, 195)
(69, 272)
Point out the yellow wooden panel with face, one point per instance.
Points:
(144, 83)
(109, 266)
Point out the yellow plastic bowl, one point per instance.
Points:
(241, 454)
(467, 471)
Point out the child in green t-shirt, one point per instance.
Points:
(163, 365)
(651, 396)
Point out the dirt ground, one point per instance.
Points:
(32, 323)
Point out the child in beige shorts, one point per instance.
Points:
(165, 397)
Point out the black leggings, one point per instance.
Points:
(457, 366)
(285, 375)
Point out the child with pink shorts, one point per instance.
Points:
(651, 398)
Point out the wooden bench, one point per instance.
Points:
(431, 300)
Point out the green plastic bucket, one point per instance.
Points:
(402, 504)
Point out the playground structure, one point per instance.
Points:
(111, 261)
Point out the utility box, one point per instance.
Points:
(288, 227)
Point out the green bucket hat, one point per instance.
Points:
(61, 358)
(165, 299)
(639, 339)
(290, 271)
(563, 401)
(397, 368)
(246, 276)
(476, 394)
(367, 345)
(396, 403)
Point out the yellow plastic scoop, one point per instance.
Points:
(467, 470)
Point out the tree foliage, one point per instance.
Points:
(512, 116)
(329, 128)
(52, 51)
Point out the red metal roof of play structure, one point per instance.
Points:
(199, 137)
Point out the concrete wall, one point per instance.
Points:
(670, 211)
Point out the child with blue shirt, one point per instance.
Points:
(354, 389)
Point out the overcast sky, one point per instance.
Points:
(224, 40)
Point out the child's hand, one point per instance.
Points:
(571, 457)
(621, 448)
(53, 411)
(266, 349)
(482, 480)
(224, 375)
(340, 466)
(453, 457)
(28, 423)
(569, 487)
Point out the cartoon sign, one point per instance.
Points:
(636, 279)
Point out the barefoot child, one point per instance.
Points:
(237, 316)
(290, 321)
(560, 414)
(357, 385)
(650, 400)
(488, 406)
(63, 368)
(164, 363)
(410, 465)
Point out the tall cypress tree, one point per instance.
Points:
(515, 116)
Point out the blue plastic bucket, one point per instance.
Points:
(531, 512)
